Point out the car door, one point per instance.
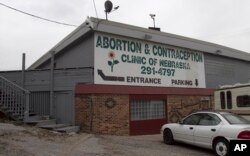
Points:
(184, 131)
(206, 129)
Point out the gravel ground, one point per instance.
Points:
(32, 141)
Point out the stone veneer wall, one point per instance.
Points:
(180, 106)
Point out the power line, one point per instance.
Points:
(95, 9)
(37, 16)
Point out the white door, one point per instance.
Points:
(185, 130)
(184, 133)
(207, 127)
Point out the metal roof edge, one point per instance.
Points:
(101, 25)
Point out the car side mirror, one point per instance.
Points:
(180, 122)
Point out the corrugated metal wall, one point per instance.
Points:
(78, 55)
(38, 82)
(222, 70)
(40, 102)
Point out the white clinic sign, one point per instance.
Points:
(124, 61)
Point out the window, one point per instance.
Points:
(209, 119)
(229, 100)
(147, 109)
(235, 119)
(192, 119)
(243, 101)
(204, 119)
(222, 100)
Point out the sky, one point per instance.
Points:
(224, 22)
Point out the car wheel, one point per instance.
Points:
(221, 147)
(168, 137)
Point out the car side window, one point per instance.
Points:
(191, 120)
(209, 120)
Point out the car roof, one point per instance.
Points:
(212, 111)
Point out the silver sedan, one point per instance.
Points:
(212, 130)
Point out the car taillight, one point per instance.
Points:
(244, 135)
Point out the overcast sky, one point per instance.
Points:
(224, 22)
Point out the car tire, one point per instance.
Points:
(221, 147)
(168, 137)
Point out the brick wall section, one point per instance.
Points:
(92, 110)
(180, 106)
(83, 112)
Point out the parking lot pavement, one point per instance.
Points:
(32, 141)
(149, 145)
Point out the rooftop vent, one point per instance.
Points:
(154, 28)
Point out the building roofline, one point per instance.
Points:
(101, 25)
(168, 38)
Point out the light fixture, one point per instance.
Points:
(153, 17)
(108, 8)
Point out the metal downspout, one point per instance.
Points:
(23, 71)
(52, 84)
(26, 100)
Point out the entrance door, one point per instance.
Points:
(64, 107)
(147, 116)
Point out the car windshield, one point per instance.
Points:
(235, 119)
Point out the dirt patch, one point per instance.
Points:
(10, 150)
(32, 141)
